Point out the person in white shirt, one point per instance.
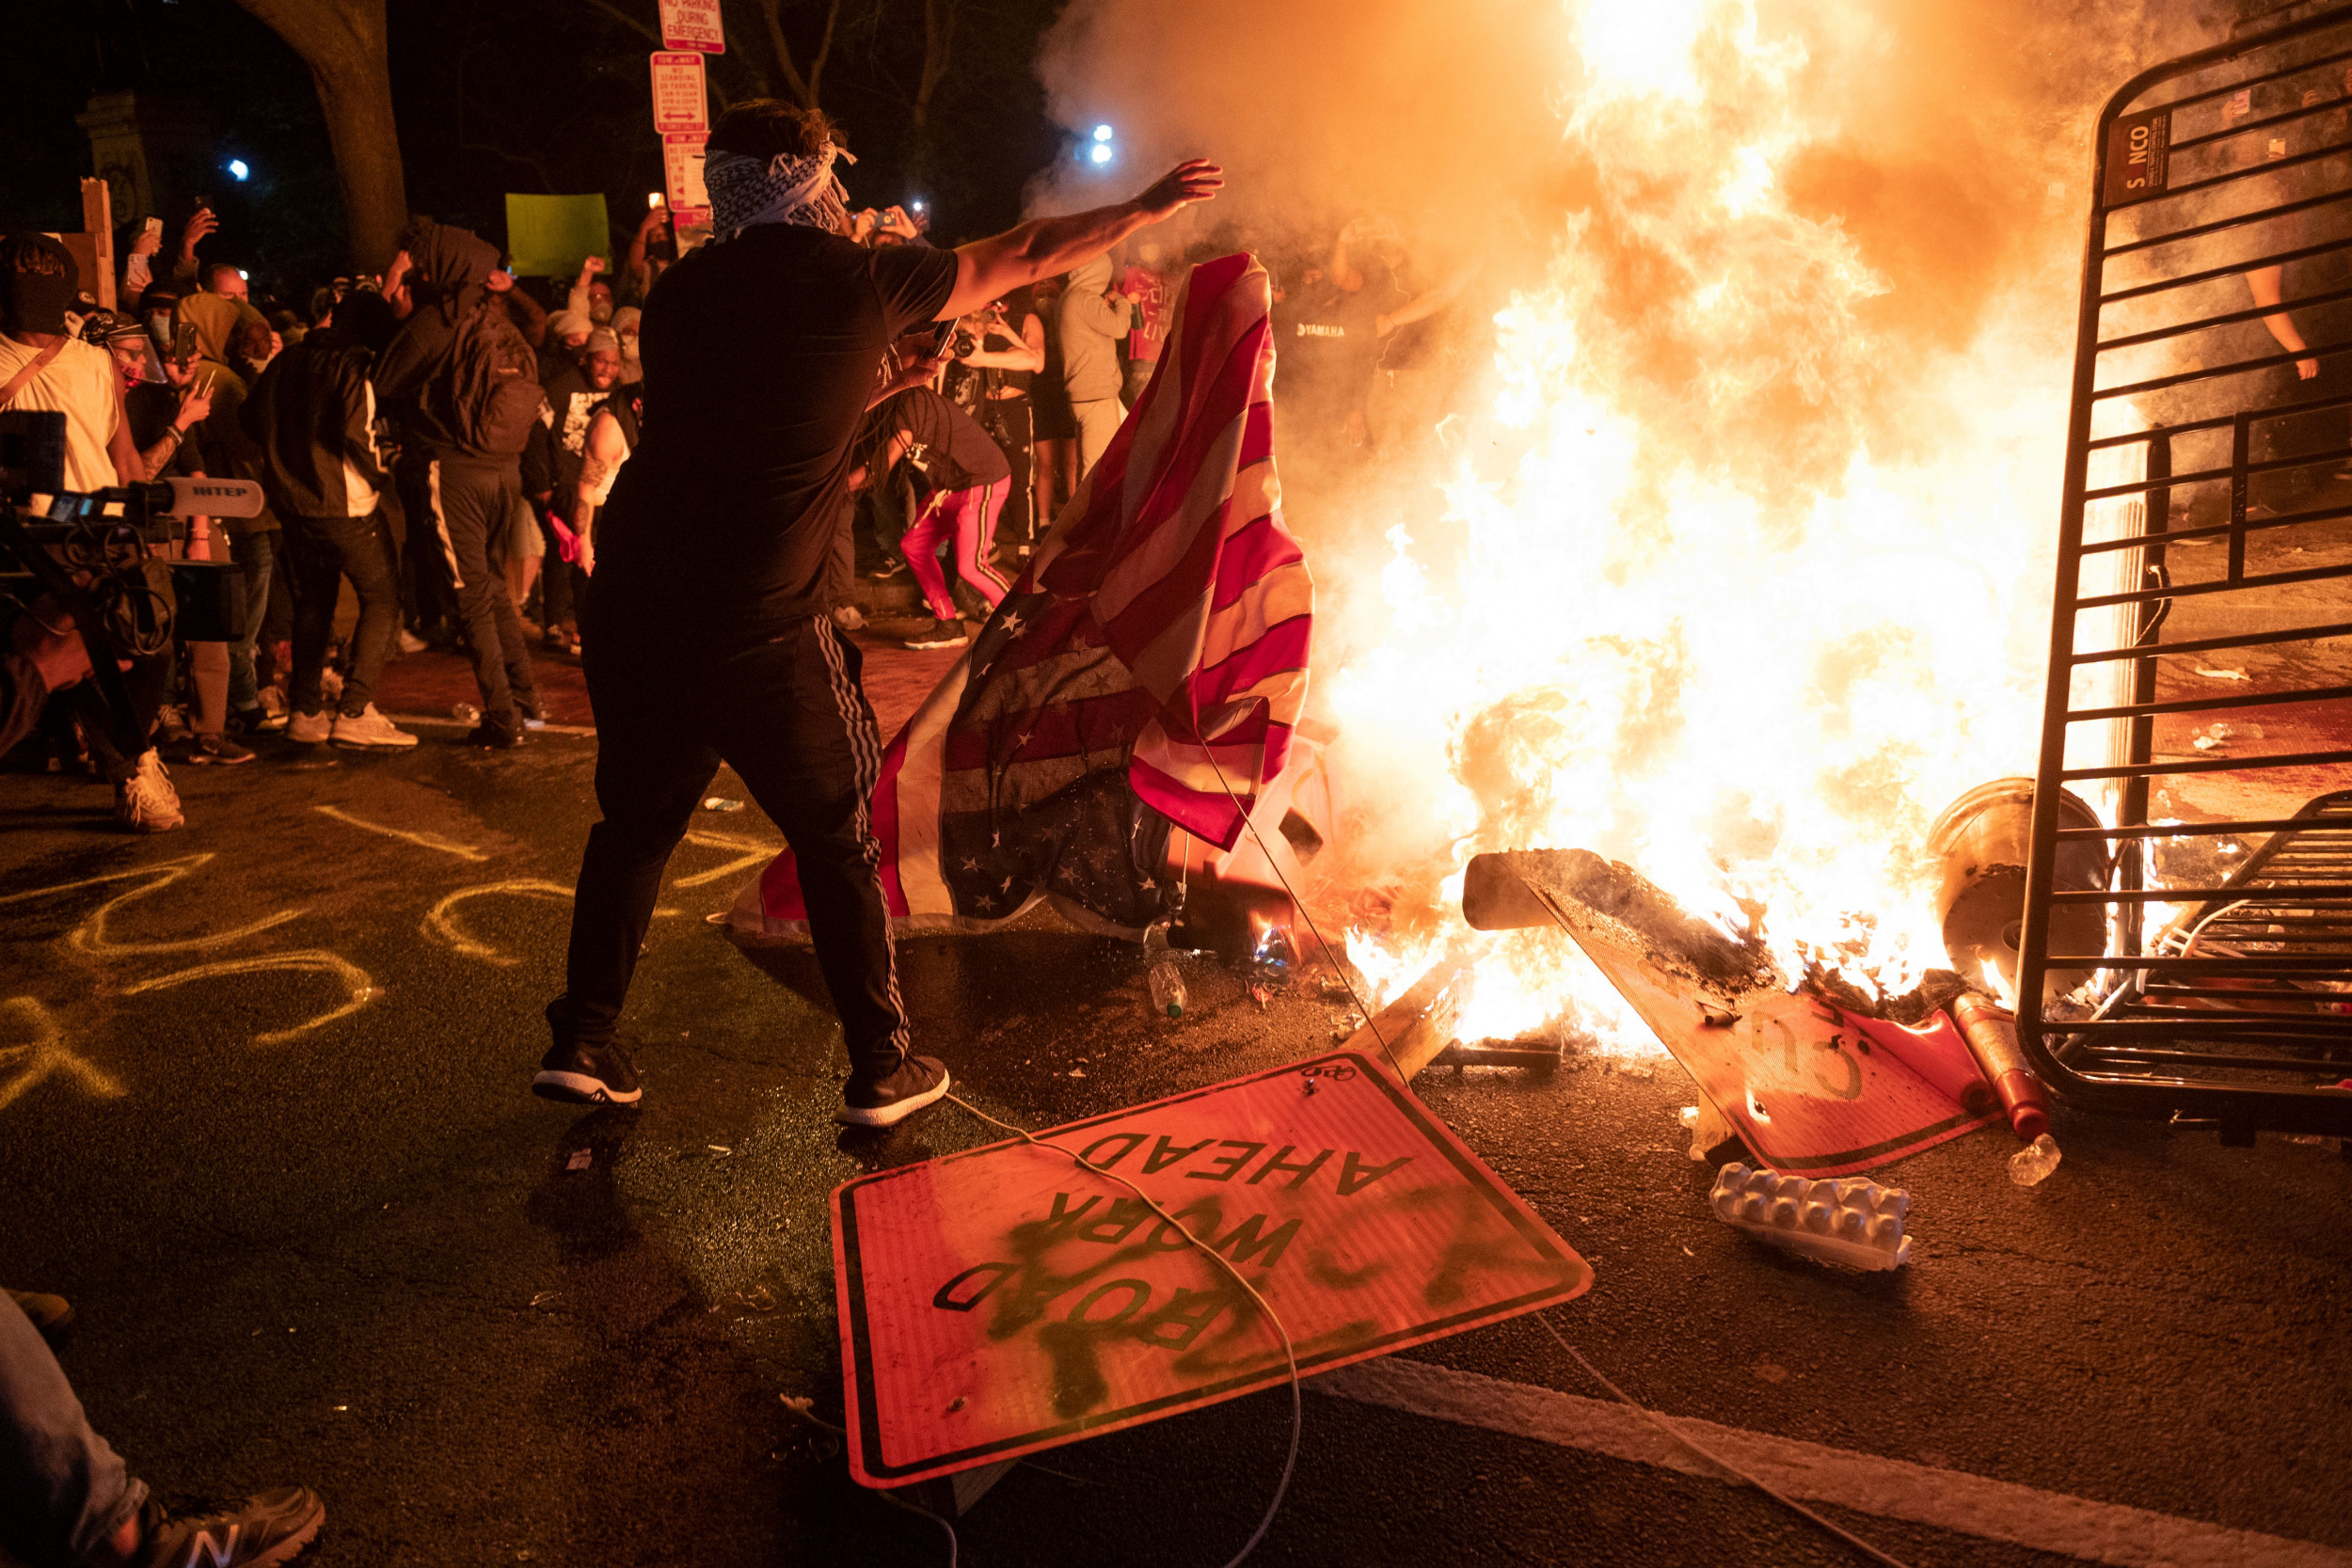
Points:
(44, 368)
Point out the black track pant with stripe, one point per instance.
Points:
(472, 507)
(788, 712)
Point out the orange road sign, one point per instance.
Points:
(1004, 1300)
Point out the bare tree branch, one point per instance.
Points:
(768, 11)
(824, 49)
(632, 24)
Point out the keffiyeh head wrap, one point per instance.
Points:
(744, 191)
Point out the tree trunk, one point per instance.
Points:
(342, 43)
(939, 37)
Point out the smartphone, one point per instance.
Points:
(184, 348)
(203, 203)
(653, 200)
(152, 227)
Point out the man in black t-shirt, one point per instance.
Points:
(708, 638)
(969, 479)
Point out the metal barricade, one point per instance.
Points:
(2207, 527)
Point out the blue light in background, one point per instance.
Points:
(238, 169)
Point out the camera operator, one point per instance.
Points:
(43, 369)
(708, 637)
(1008, 359)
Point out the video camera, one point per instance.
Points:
(89, 551)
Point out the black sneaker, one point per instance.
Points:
(587, 1075)
(217, 750)
(259, 1532)
(940, 634)
(919, 1081)
(495, 737)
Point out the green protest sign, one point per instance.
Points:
(549, 235)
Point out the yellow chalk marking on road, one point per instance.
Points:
(355, 979)
(750, 852)
(90, 936)
(423, 841)
(101, 881)
(47, 1056)
(440, 922)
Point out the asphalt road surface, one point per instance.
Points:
(263, 1118)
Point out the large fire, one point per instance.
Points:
(1677, 609)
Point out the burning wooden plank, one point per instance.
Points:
(1814, 1083)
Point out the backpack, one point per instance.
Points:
(488, 391)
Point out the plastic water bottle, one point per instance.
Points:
(1168, 990)
(2037, 1159)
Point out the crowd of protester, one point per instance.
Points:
(435, 445)
(441, 438)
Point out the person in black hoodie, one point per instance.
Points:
(313, 415)
(454, 376)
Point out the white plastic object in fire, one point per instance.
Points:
(1847, 1220)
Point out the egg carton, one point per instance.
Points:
(1847, 1220)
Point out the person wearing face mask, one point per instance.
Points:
(624, 329)
(591, 294)
(1146, 285)
(708, 637)
(233, 336)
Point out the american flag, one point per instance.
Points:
(1157, 640)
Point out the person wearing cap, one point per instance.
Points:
(43, 368)
(162, 411)
(566, 340)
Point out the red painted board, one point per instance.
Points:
(1003, 1300)
(1814, 1090)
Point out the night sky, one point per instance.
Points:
(538, 96)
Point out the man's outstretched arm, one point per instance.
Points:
(987, 269)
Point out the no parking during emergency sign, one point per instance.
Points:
(1004, 1300)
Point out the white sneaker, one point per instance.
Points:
(145, 803)
(411, 643)
(310, 729)
(848, 618)
(371, 728)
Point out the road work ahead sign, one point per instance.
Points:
(1004, 1300)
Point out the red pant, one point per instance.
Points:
(972, 515)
